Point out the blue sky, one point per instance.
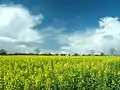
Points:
(73, 14)
(62, 21)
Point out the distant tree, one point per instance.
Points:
(112, 51)
(37, 51)
(3, 52)
(57, 54)
(83, 54)
(68, 54)
(97, 55)
(50, 54)
(62, 54)
(76, 54)
(102, 54)
(31, 53)
(89, 54)
(92, 52)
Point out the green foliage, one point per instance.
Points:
(59, 73)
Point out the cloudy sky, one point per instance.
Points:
(64, 26)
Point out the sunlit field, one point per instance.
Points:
(59, 73)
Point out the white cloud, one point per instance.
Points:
(17, 26)
(17, 33)
(105, 37)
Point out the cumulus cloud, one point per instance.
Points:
(106, 36)
(18, 34)
(17, 28)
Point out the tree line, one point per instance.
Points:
(37, 52)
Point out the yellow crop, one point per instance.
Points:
(59, 73)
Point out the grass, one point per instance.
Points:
(59, 73)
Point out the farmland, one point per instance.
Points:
(59, 73)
